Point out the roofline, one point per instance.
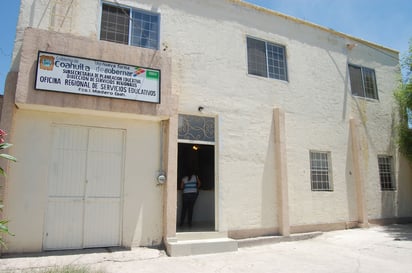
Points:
(310, 24)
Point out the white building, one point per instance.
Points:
(292, 123)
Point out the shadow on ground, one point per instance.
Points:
(66, 252)
(399, 232)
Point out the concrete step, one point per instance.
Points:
(196, 243)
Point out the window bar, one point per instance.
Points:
(267, 60)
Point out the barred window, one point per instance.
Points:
(386, 173)
(266, 59)
(320, 171)
(129, 26)
(363, 82)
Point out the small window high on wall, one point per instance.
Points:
(129, 26)
(266, 59)
(363, 82)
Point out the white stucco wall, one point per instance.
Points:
(207, 44)
(26, 194)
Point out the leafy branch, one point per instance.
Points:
(4, 229)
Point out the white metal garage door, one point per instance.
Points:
(85, 189)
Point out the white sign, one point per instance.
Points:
(97, 78)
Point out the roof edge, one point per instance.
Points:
(310, 24)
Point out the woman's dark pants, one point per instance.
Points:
(189, 200)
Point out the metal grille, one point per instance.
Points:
(369, 83)
(319, 171)
(145, 30)
(276, 62)
(266, 59)
(115, 24)
(128, 26)
(385, 173)
(196, 128)
(363, 82)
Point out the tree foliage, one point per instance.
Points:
(403, 97)
(4, 229)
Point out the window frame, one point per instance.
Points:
(321, 172)
(282, 77)
(386, 173)
(363, 71)
(132, 11)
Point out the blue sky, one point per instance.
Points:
(385, 22)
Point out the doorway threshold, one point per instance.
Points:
(200, 242)
(196, 227)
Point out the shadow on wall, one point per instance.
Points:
(269, 207)
(404, 188)
(352, 195)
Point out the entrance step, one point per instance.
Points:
(196, 243)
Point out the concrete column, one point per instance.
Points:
(170, 166)
(358, 174)
(281, 171)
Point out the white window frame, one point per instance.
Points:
(321, 172)
(386, 174)
(285, 67)
(131, 11)
(362, 74)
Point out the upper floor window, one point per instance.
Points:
(363, 82)
(266, 59)
(129, 26)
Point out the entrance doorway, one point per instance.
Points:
(196, 151)
(201, 158)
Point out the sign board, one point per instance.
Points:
(70, 74)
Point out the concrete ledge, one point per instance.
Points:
(197, 247)
(250, 242)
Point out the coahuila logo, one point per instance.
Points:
(46, 62)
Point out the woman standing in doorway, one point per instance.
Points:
(190, 187)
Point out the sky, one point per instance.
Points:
(385, 22)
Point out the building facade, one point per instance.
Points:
(289, 124)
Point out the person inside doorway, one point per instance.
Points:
(189, 185)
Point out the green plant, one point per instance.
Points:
(4, 229)
(403, 97)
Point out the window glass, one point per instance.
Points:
(320, 171)
(363, 82)
(385, 172)
(196, 128)
(129, 26)
(276, 62)
(145, 30)
(115, 24)
(256, 56)
(370, 83)
(266, 59)
(355, 74)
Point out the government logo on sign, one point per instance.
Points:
(46, 62)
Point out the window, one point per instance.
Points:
(266, 59)
(320, 172)
(386, 173)
(363, 82)
(128, 26)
